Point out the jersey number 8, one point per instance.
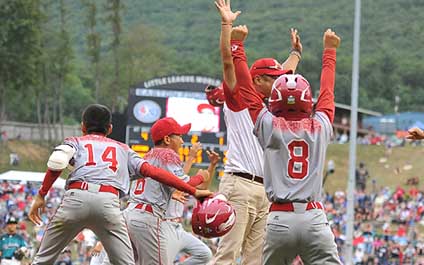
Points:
(298, 163)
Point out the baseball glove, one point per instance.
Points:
(19, 254)
(215, 95)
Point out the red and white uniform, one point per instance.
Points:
(102, 170)
(294, 157)
(242, 181)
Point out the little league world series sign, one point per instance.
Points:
(181, 97)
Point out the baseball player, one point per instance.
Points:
(12, 246)
(101, 170)
(242, 182)
(149, 199)
(295, 142)
(179, 240)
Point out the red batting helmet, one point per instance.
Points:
(291, 97)
(213, 217)
(215, 95)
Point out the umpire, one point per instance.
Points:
(12, 245)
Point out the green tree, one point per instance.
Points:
(19, 52)
(114, 9)
(93, 40)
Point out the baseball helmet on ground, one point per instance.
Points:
(291, 97)
(215, 95)
(214, 217)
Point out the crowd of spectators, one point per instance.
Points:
(386, 228)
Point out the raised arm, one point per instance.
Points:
(227, 19)
(296, 52)
(247, 93)
(415, 134)
(325, 102)
(192, 155)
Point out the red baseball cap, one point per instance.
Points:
(267, 66)
(167, 126)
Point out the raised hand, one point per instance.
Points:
(415, 134)
(295, 40)
(213, 157)
(239, 33)
(331, 40)
(224, 8)
(194, 150)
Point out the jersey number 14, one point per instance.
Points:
(108, 155)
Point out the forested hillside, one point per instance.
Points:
(53, 54)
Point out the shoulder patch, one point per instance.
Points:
(165, 156)
(310, 125)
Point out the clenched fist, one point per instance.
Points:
(239, 33)
(331, 40)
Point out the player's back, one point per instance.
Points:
(294, 156)
(101, 160)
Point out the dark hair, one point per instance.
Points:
(96, 118)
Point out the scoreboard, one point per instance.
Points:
(181, 97)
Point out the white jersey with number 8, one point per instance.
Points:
(294, 155)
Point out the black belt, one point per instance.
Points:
(249, 177)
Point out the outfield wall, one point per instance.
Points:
(35, 132)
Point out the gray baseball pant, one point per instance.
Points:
(303, 233)
(180, 240)
(148, 241)
(98, 211)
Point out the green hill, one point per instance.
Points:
(166, 37)
(382, 167)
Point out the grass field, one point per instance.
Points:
(388, 170)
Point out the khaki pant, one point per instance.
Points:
(251, 205)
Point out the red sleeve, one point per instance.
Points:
(196, 180)
(166, 178)
(325, 101)
(48, 181)
(232, 98)
(244, 94)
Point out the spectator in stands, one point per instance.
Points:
(3, 136)
(344, 138)
(361, 175)
(65, 257)
(14, 159)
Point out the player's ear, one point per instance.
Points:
(167, 140)
(109, 129)
(83, 128)
(257, 80)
